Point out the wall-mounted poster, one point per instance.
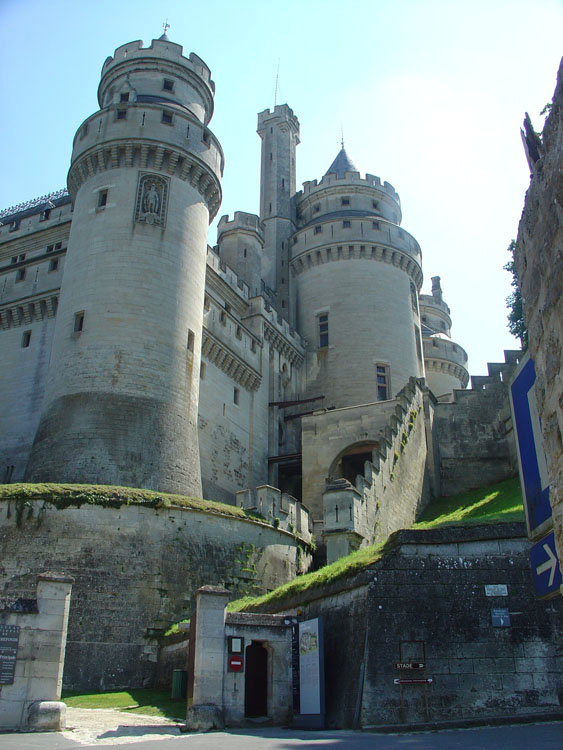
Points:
(311, 673)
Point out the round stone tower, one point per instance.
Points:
(445, 361)
(357, 276)
(121, 401)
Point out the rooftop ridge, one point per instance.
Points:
(34, 202)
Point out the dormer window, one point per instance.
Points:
(121, 114)
(345, 201)
(166, 117)
(168, 84)
(124, 97)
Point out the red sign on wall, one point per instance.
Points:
(235, 663)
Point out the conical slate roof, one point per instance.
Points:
(342, 164)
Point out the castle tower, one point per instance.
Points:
(241, 243)
(121, 399)
(445, 361)
(279, 131)
(357, 275)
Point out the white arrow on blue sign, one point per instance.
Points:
(546, 570)
(533, 467)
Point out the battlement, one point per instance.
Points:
(160, 49)
(241, 221)
(350, 178)
(226, 273)
(281, 113)
(427, 300)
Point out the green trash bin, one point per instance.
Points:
(179, 683)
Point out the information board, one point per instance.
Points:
(9, 639)
(310, 647)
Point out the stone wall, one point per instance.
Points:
(539, 262)
(474, 432)
(135, 569)
(430, 588)
(39, 627)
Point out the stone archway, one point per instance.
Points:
(350, 462)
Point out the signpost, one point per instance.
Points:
(546, 570)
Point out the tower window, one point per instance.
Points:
(202, 371)
(166, 117)
(15, 257)
(20, 274)
(236, 396)
(382, 379)
(244, 253)
(375, 225)
(168, 84)
(26, 338)
(318, 229)
(45, 215)
(374, 204)
(58, 245)
(191, 340)
(345, 201)
(102, 198)
(417, 340)
(121, 114)
(50, 249)
(53, 264)
(124, 97)
(238, 332)
(79, 321)
(323, 330)
(346, 224)
(316, 208)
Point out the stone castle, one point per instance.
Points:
(295, 365)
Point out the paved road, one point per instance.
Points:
(518, 737)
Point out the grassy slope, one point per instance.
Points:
(499, 503)
(65, 495)
(141, 701)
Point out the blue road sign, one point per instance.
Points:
(533, 468)
(546, 570)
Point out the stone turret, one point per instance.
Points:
(279, 131)
(241, 242)
(121, 400)
(445, 361)
(356, 275)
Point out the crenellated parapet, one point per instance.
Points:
(241, 222)
(329, 180)
(278, 508)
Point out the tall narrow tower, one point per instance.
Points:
(121, 400)
(279, 131)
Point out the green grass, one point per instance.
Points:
(141, 701)
(66, 495)
(499, 503)
(343, 568)
(495, 504)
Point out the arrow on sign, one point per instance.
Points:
(550, 564)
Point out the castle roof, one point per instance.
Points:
(342, 164)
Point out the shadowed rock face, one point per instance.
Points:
(539, 262)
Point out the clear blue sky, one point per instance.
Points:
(430, 95)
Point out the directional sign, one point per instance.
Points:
(500, 618)
(531, 456)
(413, 681)
(410, 665)
(546, 570)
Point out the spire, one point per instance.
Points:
(342, 164)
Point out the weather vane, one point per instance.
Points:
(165, 26)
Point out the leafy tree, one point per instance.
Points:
(516, 322)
